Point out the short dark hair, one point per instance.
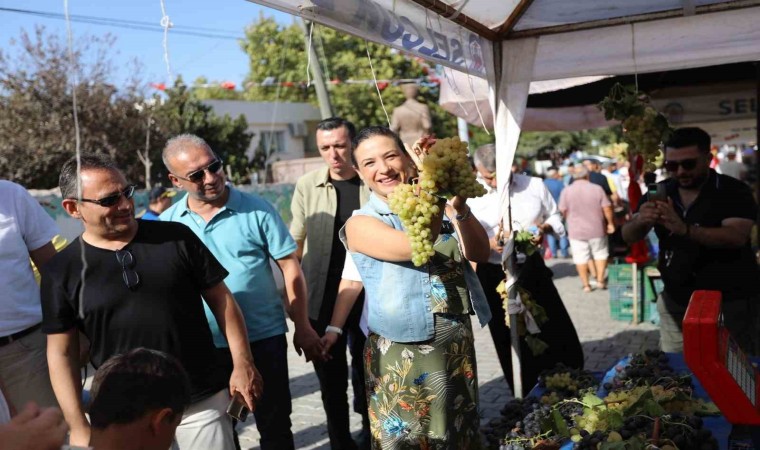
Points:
(688, 136)
(373, 131)
(333, 123)
(128, 386)
(67, 181)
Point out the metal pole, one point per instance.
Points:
(325, 107)
(757, 144)
(464, 132)
(635, 279)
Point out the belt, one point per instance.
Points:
(5, 340)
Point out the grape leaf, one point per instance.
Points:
(653, 409)
(536, 345)
(634, 443)
(592, 400)
(638, 404)
(560, 426)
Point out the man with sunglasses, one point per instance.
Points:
(244, 232)
(129, 283)
(703, 223)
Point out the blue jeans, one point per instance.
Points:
(551, 239)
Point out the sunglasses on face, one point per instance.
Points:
(112, 199)
(198, 175)
(687, 164)
(127, 261)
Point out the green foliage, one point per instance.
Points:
(588, 140)
(203, 90)
(278, 53)
(37, 133)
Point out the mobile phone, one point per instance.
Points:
(656, 192)
(237, 408)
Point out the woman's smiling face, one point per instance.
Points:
(381, 164)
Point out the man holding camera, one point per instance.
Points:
(703, 221)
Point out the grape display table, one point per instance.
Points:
(718, 425)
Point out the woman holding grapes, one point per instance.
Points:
(420, 365)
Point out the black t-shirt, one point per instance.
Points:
(348, 195)
(164, 312)
(686, 266)
(600, 180)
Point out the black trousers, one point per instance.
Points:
(273, 409)
(333, 374)
(558, 332)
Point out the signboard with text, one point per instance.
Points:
(405, 26)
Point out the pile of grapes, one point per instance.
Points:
(643, 127)
(650, 368)
(445, 172)
(562, 382)
(647, 405)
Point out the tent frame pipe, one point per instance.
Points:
(513, 18)
(757, 144)
(534, 32)
(448, 12)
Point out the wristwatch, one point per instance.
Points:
(336, 330)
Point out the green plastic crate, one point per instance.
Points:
(621, 294)
(618, 274)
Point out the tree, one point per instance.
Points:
(37, 133)
(589, 140)
(278, 56)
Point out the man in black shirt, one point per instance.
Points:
(704, 228)
(323, 201)
(126, 284)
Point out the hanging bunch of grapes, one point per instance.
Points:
(644, 129)
(445, 172)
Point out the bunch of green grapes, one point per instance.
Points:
(620, 400)
(416, 211)
(561, 382)
(597, 419)
(644, 133)
(446, 170)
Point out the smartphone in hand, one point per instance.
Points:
(656, 192)
(237, 408)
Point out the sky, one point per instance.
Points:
(216, 58)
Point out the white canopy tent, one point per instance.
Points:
(511, 43)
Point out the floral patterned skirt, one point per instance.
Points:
(424, 395)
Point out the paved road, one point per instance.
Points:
(604, 342)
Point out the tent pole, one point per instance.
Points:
(757, 144)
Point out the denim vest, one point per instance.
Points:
(399, 293)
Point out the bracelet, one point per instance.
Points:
(465, 216)
(336, 330)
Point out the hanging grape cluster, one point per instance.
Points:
(445, 172)
(644, 129)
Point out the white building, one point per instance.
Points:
(284, 130)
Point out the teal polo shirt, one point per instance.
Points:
(243, 236)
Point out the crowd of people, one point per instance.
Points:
(182, 315)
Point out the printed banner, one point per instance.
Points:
(405, 26)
